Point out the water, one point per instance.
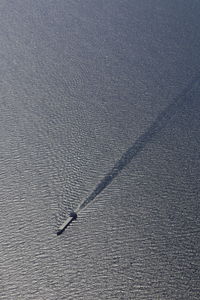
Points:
(82, 85)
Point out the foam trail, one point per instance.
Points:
(159, 123)
(162, 119)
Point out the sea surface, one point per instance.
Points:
(100, 110)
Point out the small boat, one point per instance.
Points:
(72, 216)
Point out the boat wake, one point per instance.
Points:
(159, 123)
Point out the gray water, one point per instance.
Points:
(99, 109)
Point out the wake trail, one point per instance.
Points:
(159, 123)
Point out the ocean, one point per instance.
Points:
(99, 110)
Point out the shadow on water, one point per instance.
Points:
(160, 122)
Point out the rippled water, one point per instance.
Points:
(99, 109)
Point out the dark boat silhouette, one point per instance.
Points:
(72, 216)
